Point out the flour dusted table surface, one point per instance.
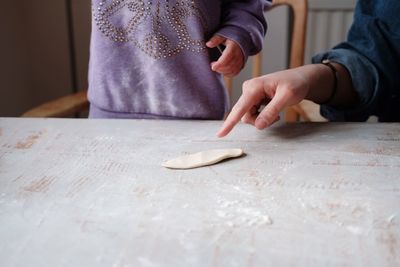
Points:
(93, 193)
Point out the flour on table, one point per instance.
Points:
(203, 158)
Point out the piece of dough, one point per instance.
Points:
(203, 158)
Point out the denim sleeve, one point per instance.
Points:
(364, 76)
(371, 54)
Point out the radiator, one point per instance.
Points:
(328, 23)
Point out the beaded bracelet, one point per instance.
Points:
(328, 63)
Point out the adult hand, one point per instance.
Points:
(232, 59)
(277, 91)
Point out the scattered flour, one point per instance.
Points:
(355, 230)
(391, 218)
(242, 214)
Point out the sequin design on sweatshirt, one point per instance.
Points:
(157, 27)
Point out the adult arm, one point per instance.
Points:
(371, 55)
(285, 88)
(369, 82)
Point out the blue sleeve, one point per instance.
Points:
(371, 54)
(244, 23)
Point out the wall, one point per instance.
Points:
(81, 10)
(13, 70)
(328, 23)
(35, 64)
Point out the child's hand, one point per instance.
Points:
(232, 59)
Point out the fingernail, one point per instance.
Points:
(261, 123)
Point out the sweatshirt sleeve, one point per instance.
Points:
(243, 22)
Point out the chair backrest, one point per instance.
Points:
(299, 9)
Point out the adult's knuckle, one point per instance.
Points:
(273, 111)
(248, 85)
(290, 91)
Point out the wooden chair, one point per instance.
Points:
(72, 104)
(66, 106)
(299, 10)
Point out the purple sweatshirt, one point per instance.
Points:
(149, 60)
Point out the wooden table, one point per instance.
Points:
(93, 193)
